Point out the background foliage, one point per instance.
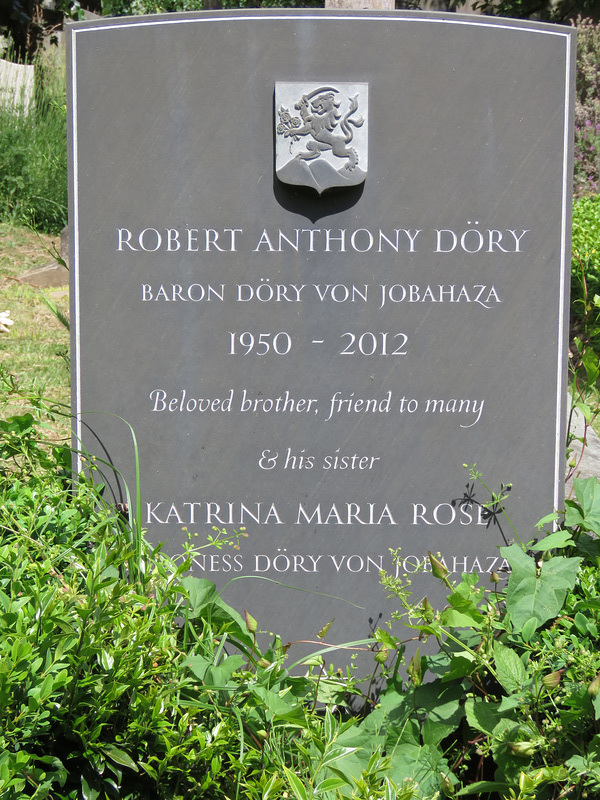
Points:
(587, 109)
(33, 152)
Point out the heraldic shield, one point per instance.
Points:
(321, 134)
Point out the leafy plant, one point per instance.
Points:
(123, 676)
(585, 311)
(508, 705)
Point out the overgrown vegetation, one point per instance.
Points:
(33, 152)
(513, 706)
(122, 677)
(585, 308)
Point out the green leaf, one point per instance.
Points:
(337, 754)
(481, 715)
(482, 787)
(272, 786)
(88, 792)
(554, 541)
(211, 674)
(278, 707)
(521, 564)
(528, 629)
(510, 703)
(509, 668)
(206, 602)
(590, 363)
(532, 595)
(119, 757)
(57, 765)
(443, 705)
(548, 518)
(587, 492)
(452, 618)
(384, 638)
(329, 725)
(422, 764)
(580, 621)
(324, 630)
(461, 664)
(330, 785)
(199, 665)
(296, 784)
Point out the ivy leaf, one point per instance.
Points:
(443, 719)
(532, 595)
(385, 639)
(463, 612)
(276, 706)
(205, 602)
(461, 664)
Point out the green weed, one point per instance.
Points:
(122, 676)
(508, 706)
(33, 154)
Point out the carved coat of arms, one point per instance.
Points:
(321, 134)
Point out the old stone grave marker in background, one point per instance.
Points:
(319, 262)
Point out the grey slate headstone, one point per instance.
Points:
(316, 368)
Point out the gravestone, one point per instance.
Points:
(319, 262)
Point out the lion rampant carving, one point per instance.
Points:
(319, 117)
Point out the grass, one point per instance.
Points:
(33, 152)
(35, 348)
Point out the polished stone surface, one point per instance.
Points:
(316, 368)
